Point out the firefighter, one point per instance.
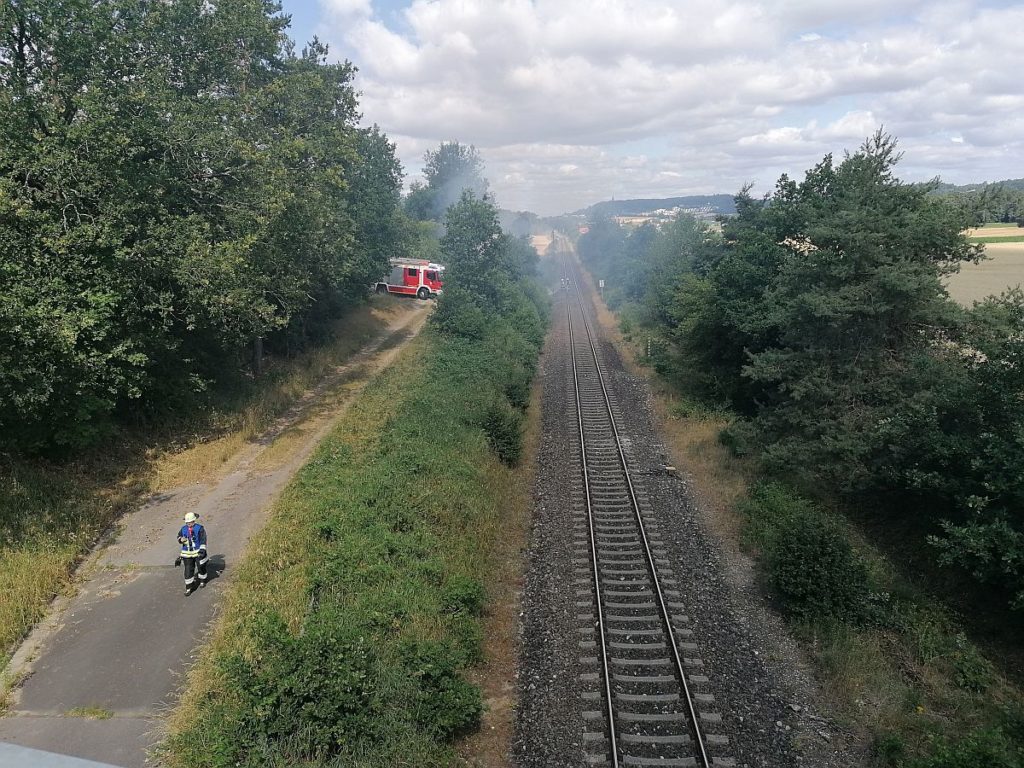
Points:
(192, 538)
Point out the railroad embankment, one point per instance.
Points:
(354, 628)
(895, 666)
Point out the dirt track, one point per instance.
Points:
(106, 664)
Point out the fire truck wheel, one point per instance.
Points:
(423, 293)
(381, 288)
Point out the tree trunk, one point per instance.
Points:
(257, 356)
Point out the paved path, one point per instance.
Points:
(122, 645)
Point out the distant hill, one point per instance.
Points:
(636, 207)
(953, 189)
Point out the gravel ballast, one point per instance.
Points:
(757, 673)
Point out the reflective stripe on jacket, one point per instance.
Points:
(194, 545)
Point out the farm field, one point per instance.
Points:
(1003, 269)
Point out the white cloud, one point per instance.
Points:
(557, 94)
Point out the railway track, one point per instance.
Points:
(646, 702)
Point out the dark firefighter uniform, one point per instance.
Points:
(192, 538)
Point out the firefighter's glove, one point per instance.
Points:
(177, 561)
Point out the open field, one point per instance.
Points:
(1003, 269)
(996, 233)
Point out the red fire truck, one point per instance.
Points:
(412, 277)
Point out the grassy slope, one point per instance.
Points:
(52, 513)
(381, 544)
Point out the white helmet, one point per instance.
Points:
(191, 517)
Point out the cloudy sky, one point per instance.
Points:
(575, 101)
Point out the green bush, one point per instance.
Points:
(810, 563)
(446, 705)
(971, 670)
(463, 595)
(887, 748)
(814, 570)
(503, 426)
(740, 438)
(458, 314)
(315, 689)
(769, 507)
(688, 408)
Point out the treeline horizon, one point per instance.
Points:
(820, 321)
(179, 189)
(983, 202)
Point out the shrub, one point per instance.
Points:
(740, 438)
(503, 426)
(815, 571)
(811, 565)
(463, 595)
(770, 507)
(446, 705)
(971, 670)
(457, 314)
(315, 689)
(888, 748)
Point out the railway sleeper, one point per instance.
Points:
(638, 646)
(637, 679)
(662, 661)
(651, 618)
(655, 738)
(669, 762)
(645, 698)
(651, 717)
(636, 632)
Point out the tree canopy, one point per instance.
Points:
(175, 182)
(820, 317)
(450, 170)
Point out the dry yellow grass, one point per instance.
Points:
(211, 458)
(67, 506)
(1003, 269)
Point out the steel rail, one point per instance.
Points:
(695, 727)
(593, 549)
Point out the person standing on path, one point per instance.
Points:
(192, 538)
